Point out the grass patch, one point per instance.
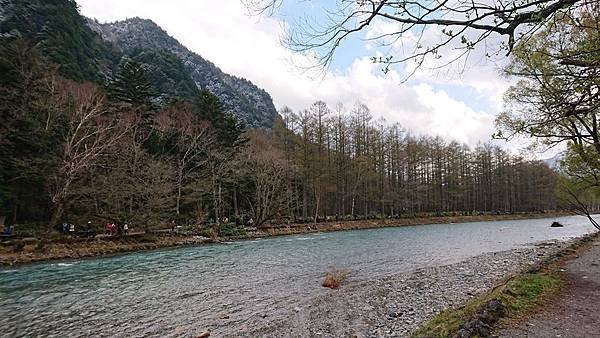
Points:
(530, 290)
(519, 296)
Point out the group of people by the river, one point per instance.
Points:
(68, 228)
(72, 230)
(110, 229)
(8, 230)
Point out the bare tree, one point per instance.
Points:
(127, 183)
(463, 24)
(89, 133)
(193, 141)
(377, 170)
(267, 168)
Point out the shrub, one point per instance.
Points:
(209, 232)
(230, 230)
(334, 278)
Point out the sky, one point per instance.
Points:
(458, 103)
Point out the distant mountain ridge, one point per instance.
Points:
(554, 161)
(247, 101)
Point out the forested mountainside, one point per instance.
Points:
(57, 29)
(252, 104)
(85, 50)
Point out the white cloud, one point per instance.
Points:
(478, 70)
(250, 47)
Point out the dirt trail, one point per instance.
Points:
(576, 312)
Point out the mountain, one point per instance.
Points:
(247, 101)
(554, 161)
(86, 50)
(56, 27)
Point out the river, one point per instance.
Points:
(181, 291)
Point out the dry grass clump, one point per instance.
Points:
(334, 278)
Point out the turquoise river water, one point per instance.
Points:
(174, 292)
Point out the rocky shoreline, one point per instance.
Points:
(397, 305)
(33, 250)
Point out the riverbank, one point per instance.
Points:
(292, 229)
(573, 312)
(396, 306)
(32, 250)
(507, 304)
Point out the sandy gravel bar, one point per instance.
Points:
(396, 305)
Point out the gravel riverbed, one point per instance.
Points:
(397, 305)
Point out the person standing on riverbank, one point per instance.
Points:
(125, 228)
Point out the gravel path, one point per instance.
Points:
(576, 313)
(396, 305)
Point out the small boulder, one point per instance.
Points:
(556, 225)
(393, 313)
(481, 322)
(203, 334)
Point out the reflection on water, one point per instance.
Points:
(175, 292)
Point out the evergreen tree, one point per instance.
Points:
(29, 131)
(132, 85)
(228, 128)
(168, 74)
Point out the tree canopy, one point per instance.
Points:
(557, 98)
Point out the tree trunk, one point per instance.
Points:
(179, 188)
(56, 215)
(235, 204)
(214, 195)
(220, 201)
(317, 200)
(179, 184)
(304, 202)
